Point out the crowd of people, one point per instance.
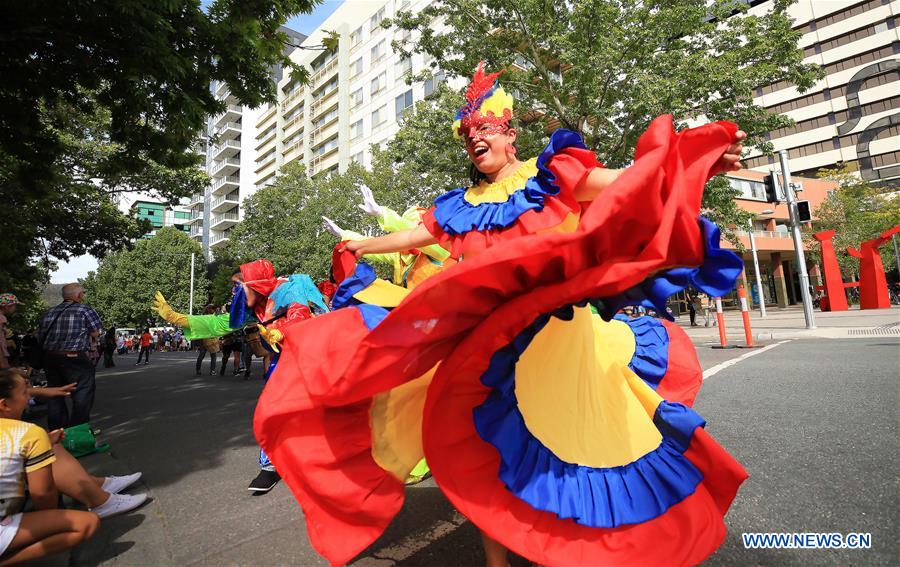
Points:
(36, 468)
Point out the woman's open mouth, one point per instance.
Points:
(480, 151)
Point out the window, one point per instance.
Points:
(402, 103)
(375, 20)
(378, 52)
(404, 66)
(356, 129)
(356, 68)
(432, 82)
(359, 158)
(379, 117)
(356, 37)
(379, 83)
(356, 98)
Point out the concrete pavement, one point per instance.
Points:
(814, 422)
(789, 323)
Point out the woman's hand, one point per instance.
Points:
(731, 159)
(355, 246)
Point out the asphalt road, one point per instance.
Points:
(814, 422)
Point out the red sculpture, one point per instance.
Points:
(873, 290)
(835, 299)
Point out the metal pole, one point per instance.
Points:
(759, 289)
(798, 241)
(896, 253)
(191, 300)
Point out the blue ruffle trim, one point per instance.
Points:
(361, 278)
(651, 348)
(715, 277)
(593, 497)
(456, 216)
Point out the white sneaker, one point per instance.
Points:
(119, 504)
(116, 484)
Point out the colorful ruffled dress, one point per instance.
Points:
(566, 436)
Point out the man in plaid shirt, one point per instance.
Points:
(64, 333)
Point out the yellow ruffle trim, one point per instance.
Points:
(499, 191)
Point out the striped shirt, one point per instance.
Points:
(70, 332)
(24, 448)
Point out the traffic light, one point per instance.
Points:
(804, 214)
(771, 189)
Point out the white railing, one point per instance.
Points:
(764, 233)
(221, 182)
(224, 217)
(321, 73)
(229, 198)
(225, 163)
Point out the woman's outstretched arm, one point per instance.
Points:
(417, 237)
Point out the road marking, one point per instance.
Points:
(728, 363)
(410, 545)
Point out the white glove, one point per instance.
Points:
(369, 206)
(332, 226)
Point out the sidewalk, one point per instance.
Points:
(788, 323)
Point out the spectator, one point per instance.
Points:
(121, 344)
(146, 341)
(706, 303)
(27, 457)
(692, 307)
(109, 346)
(210, 346)
(232, 343)
(8, 303)
(64, 333)
(129, 341)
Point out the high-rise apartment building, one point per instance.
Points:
(230, 158)
(356, 96)
(852, 115)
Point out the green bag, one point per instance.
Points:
(79, 440)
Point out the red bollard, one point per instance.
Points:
(745, 314)
(720, 318)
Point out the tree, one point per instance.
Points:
(856, 212)
(606, 69)
(109, 96)
(283, 222)
(122, 288)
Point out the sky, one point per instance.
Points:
(304, 23)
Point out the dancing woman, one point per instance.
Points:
(537, 422)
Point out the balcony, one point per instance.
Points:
(291, 100)
(291, 149)
(226, 184)
(265, 139)
(196, 215)
(224, 220)
(229, 131)
(266, 161)
(225, 202)
(323, 132)
(324, 73)
(232, 114)
(323, 103)
(196, 199)
(226, 149)
(226, 166)
(196, 231)
(218, 238)
(292, 123)
(267, 115)
(221, 90)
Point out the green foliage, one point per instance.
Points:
(108, 96)
(856, 212)
(122, 288)
(606, 69)
(283, 222)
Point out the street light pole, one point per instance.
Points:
(759, 288)
(191, 300)
(798, 240)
